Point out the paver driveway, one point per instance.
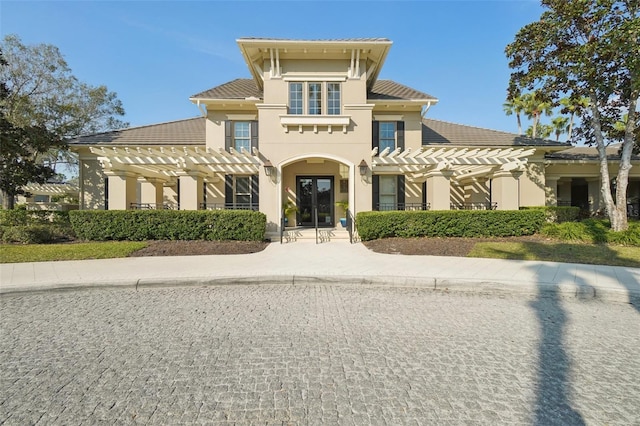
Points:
(314, 354)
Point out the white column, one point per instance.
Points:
(191, 190)
(594, 194)
(505, 190)
(151, 191)
(122, 189)
(439, 190)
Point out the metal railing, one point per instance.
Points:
(402, 206)
(154, 206)
(474, 206)
(229, 206)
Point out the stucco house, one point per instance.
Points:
(314, 126)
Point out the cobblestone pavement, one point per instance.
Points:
(316, 354)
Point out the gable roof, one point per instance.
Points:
(246, 88)
(436, 132)
(589, 153)
(190, 131)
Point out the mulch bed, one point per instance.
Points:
(409, 246)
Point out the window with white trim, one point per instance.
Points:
(241, 136)
(333, 98)
(311, 97)
(388, 192)
(296, 99)
(387, 135)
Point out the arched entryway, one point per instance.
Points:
(317, 187)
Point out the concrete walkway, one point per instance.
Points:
(335, 262)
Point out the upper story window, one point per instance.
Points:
(315, 98)
(387, 135)
(333, 98)
(241, 136)
(311, 98)
(296, 100)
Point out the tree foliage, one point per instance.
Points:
(42, 104)
(587, 49)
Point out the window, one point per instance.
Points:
(310, 97)
(41, 198)
(241, 136)
(387, 136)
(388, 191)
(315, 98)
(295, 98)
(333, 98)
(243, 192)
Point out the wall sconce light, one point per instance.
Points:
(268, 168)
(363, 167)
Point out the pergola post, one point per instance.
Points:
(439, 190)
(505, 190)
(191, 190)
(122, 189)
(151, 191)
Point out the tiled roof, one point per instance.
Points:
(435, 132)
(588, 153)
(243, 88)
(240, 88)
(390, 90)
(190, 131)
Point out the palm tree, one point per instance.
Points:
(560, 125)
(572, 107)
(515, 106)
(534, 106)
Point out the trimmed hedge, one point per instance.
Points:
(451, 223)
(28, 234)
(140, 225)
(20, 216)
(558, 214)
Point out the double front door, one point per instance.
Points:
(315, 194)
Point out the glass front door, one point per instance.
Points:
(315, 193)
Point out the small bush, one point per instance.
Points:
(139, 225)
(454, 223)
(29, 234)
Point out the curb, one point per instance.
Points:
(581, 292)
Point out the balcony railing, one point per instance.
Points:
(401, 206)
(474, 206)
(154, 206)
(230, 206)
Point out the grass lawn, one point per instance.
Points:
(10, 253)
(594, 254)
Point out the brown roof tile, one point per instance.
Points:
(190, 131)
(390, 90)
(240, 88)
(435, 132)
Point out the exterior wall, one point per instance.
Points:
(532, 185)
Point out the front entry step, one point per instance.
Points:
(324, 235)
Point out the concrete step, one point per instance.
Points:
(324, 234)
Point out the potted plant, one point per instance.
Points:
(344, 205)
(288, 208)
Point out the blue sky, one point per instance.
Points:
(155, 55)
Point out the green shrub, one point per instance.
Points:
(28, 234)
(557, 214)
(139, 225)
(594, 231)
(453, 223)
